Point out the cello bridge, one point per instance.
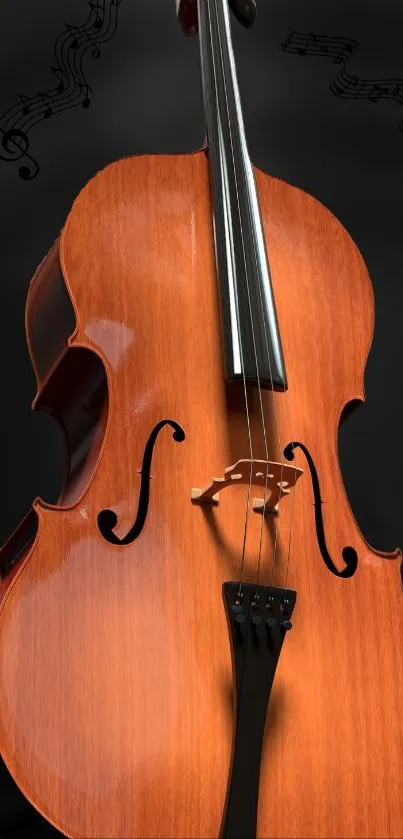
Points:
(277, 480)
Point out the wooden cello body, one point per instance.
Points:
(116, 686)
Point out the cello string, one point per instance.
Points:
(277, 517)
(226, 18)
(226, 23)
(277, 425)
(230, 237)
(274, 553)
(279, 500)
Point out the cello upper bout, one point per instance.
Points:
(325, 304)
(328, 287)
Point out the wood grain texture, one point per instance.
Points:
(115, 667)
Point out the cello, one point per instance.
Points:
(197, 641)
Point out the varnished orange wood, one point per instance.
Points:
(115, 667)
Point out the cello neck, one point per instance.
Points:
(250, 327)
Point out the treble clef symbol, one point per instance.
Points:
(15, 144)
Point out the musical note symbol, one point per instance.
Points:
(284, 46)
(97, 7)
(375, 93)
(48, 112)
(398, 93)
(96, 53)
(343, 51)
(339, 57)
(77, 30)
(62, 79)
(310, 39)
(304, 43)
(84, 37)
(86, 90)
(26, 108)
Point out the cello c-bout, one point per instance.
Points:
(191, 470)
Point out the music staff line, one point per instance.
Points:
(346, 85)
(69, 53)
(71, 90)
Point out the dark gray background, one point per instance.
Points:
(147, 98)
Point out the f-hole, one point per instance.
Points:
(107, 519)
(348, 553)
